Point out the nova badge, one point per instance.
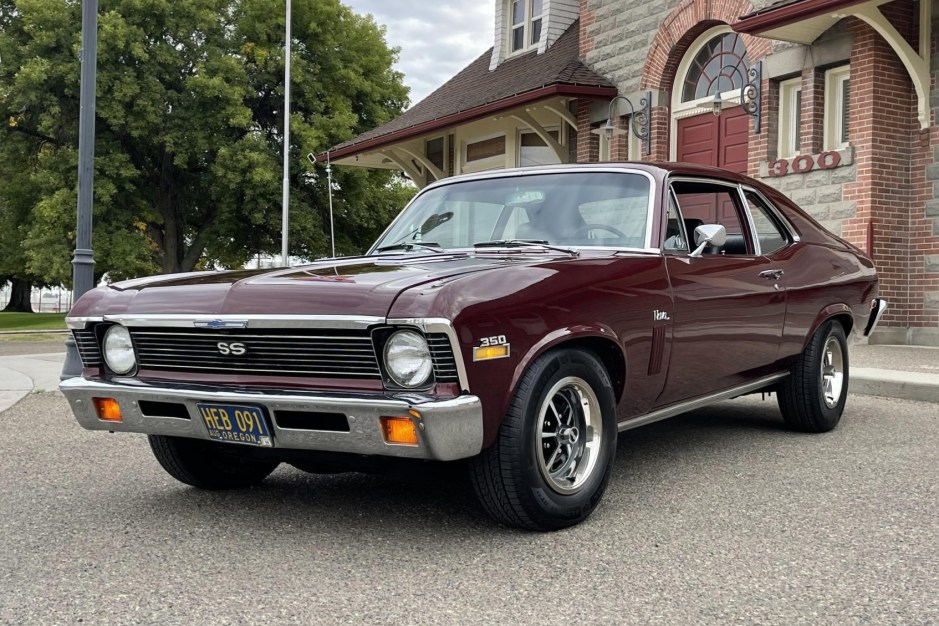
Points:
(660, 316)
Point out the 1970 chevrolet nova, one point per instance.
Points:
(518, 319)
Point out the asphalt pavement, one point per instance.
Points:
(714, 517)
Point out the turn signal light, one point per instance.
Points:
(490, 352)
(399, 430)
(108, 409)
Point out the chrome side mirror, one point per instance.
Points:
(708, 235)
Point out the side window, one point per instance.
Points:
(712, 203)
(771, 235)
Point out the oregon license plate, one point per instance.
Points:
(236, 423)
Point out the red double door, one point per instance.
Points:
(711, 140)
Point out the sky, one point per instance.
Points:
(437, 38)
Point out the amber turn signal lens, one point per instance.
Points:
(399, 430)
(108, 410)
(490, 352)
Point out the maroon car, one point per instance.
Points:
(518, 319)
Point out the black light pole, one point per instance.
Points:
(83, 262)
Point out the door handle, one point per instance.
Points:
(771, 274)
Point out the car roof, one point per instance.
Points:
(658, 169)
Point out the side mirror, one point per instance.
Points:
(708, 235)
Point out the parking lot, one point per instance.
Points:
(717, 516)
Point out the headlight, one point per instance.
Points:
(118, 350)
(407, 358)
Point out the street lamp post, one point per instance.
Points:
(83, 262)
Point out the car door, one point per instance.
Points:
(728, 305)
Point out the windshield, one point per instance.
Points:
(562, 209)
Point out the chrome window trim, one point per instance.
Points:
(439, 325)
(514, 173)
(723, 183)
(786, 224)
(754, 236)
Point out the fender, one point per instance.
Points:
(826, 314)
(555, 338)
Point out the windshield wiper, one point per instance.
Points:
(411, 245)
(513, 243)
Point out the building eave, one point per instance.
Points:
(773, 22)
(469, 115)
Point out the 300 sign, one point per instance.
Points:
(804, 163)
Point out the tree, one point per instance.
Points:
(189, 130)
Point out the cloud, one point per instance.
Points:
(437, 39)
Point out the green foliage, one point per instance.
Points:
(188, 132)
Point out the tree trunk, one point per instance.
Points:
(19, 296)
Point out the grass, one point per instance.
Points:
(32, 321)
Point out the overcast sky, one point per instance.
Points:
(437, 38)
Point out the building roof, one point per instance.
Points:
(785, 12)
(477, 92)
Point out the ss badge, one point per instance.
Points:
(235, 349)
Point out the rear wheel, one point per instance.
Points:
(554, 453)
(812, 398)
(208, 465)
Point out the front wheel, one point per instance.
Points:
(554, 452)
(208, 465)
(813, 396)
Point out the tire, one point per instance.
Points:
(553, 455)
(813, 396)
(208, 465)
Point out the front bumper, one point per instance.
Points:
(447, 429)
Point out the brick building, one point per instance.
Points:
(830, 101)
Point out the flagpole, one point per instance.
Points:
(285, 217)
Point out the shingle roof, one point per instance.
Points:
(772, 6)
(475, 86)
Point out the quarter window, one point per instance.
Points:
(769, 233)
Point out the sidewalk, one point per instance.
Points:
(905, 372)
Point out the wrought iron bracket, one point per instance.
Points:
(640, 120)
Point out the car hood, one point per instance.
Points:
(365, 286)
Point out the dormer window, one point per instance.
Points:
(526, 18)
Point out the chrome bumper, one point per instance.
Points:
(878, 306)
(447, 429)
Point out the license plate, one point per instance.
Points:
(235, 423)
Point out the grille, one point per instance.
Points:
(324, 353)
(331, 354)
(442, 355)
(88, 348)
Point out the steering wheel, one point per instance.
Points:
(589, 227)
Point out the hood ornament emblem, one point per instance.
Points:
(218, 324)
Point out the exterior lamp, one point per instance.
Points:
(750, 93)
(638, 120)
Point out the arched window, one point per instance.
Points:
(719, 66)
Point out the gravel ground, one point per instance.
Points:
(720, 516)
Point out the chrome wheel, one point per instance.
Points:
(832, 372)
(569, 435)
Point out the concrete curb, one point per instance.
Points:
(34, 332)
(894, 384)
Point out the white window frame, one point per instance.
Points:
(835, 107)
(495, 162)
(527, 26)
(561, 139)
(789, 118)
